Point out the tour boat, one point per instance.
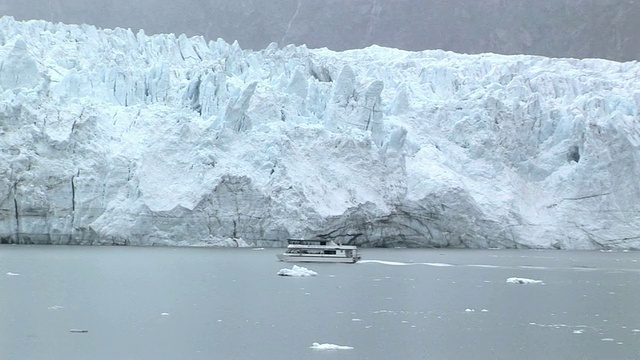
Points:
(320, 250)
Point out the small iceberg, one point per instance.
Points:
(12, 274)
(297, 271)
(318, 346)
(515, 280)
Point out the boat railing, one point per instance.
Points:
(319, 242)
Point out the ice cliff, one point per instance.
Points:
(111, 137)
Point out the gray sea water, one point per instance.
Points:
(199, 303)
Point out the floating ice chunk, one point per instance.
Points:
(382, 262)
(297, 271)
(12, 274)
(515, 280)
(395, 263)
(578, 331)
(318, 346)
(485, 266)
(437, 264)
(55, 307)
(469, 310)
(164, 314)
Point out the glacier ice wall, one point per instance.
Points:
(111, 137)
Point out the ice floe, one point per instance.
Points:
(297, 271)
(516, 280)
(318, 346)
(396, 263)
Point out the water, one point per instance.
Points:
(195, 303)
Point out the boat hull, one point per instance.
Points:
(317, 258)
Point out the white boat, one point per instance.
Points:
(320, 250)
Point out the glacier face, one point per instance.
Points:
(111, 137)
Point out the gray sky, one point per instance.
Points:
(559, 28)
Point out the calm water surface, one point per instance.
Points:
(197, 303)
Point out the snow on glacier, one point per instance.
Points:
(111, 137)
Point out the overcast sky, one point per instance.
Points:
(559, 28)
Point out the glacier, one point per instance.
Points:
(114, 137)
